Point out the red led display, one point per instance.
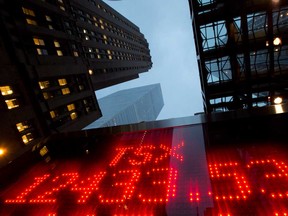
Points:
(152, 175)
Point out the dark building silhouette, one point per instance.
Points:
(130, 106)
(54, 54)
(242, 52)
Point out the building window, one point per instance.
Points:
(62, 82)
(43, 151)
(73, 115)
(38, 42)
(48, 18)
(56, 44)
(28, 12)
(44, 84)
(31, 22)
(12, 103)
(47, 95)
(6, 90)
(65, 91)
(52, 114)
(21, 126)
(90, 72)
(75, 54)
(27, 138)
(42, 51)
(71, 107)
(59, 53)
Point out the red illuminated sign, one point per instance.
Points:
(153, 176)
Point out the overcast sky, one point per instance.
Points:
(167, 27)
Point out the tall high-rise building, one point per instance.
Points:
(242, 52)
(53, 55)
(130, 106)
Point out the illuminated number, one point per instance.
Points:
(160, 185)
(21, 198)
(123, 186)
(59, 183)
(271, 170)
(121, 152)
(142, 152)
(86, 187)
(219, 174)
(170, 152)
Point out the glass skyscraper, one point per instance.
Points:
(130, 106)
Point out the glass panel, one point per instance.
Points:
(214, 35)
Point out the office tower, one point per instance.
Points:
(130, 106)
(242, 52)
(54, 55)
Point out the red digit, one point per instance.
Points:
(57, 184)
(219, 174)
(272, 175)
(86, 187)
(160, 185)
(122, 188)
(21, 198)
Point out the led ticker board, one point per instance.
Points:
(157, 172)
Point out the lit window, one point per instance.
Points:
(86, 38)
(105, 37)
(110, 57)
(102, 27)
(50, 27)
(90, 72)
(61, 1)
(73, 115)
(38, 42)
(6, 90)
(31, 22)
(75, 54)
(56, 44)
(62, 82)
(65, 91)
(27, 138)
(48, 18)
(44, 84)
(52, 114)
(42, 51)
(21, 126)
(43, 151)
(59, 53)
(84, 31)
(71, 107)
(12, 103)
(47, 95)
(28, 11)
(62, 8)
(99, 56)
(100, 21)
(108, 51)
